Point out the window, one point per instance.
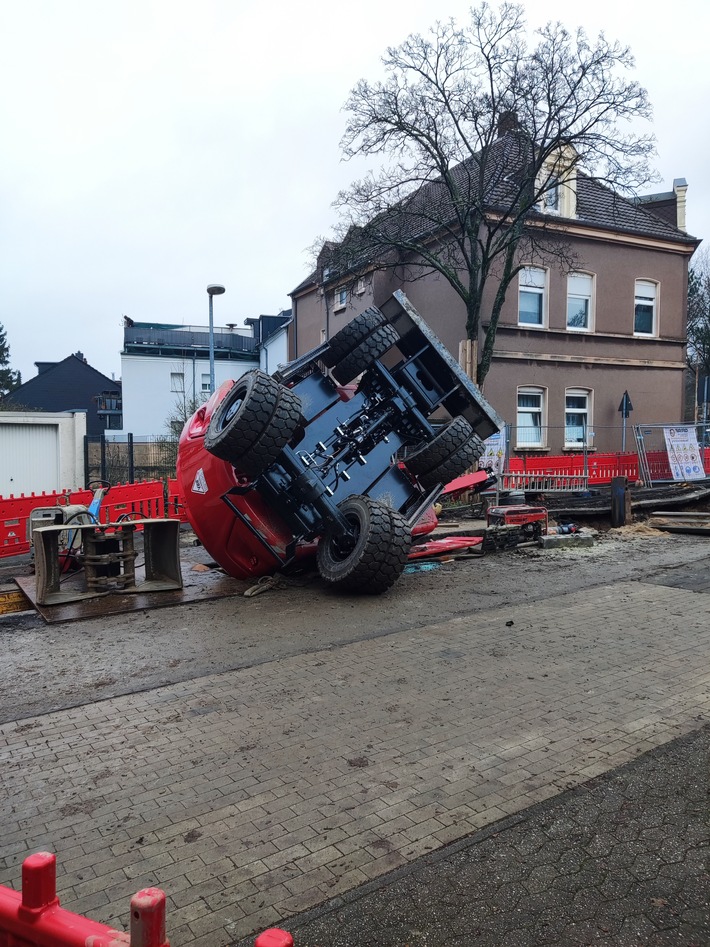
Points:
(530, 420)
(579, 302)
(645, 308)
(578, 416)
(551, 197)
(177, 381)
(531, 296)
(556, 183)
(205, 381)
(340, 299)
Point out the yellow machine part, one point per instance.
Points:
(13, 600)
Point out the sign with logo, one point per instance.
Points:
(684, 455)
(199, 484)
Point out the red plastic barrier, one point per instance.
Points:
(274, 937)
(601, 468)
(145, 499)
(33, 917)
(176, 505)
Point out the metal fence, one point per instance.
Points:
(524, 453)
(127, 459)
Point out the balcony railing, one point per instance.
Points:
(226, 344)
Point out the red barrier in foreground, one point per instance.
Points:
(33, 918)
(274, 937)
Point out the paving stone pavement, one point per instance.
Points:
(257, 794)
(620, 861)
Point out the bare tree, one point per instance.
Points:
(476, 133)
(699, 313)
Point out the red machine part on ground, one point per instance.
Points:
(33, 917)
(442, 547)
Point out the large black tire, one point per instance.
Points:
(351, 335)
(367, 352)
(252, 424)
(372, 561)
(447, 455)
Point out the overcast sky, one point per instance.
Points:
(150, 148)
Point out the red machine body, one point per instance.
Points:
(204, 480)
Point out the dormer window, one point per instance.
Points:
(557, 184)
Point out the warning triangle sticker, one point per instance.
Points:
(200, 484)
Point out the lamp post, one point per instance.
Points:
(214, 289)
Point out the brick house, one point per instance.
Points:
(569, 342)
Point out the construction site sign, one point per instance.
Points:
(684, 454)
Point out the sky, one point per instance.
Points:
(151, 147)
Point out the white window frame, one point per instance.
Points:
(587, 411)
(588, 297)
(527, 442)
(177, 382)
(641, 286)
(205, 381)
(340, 299)
(533, 281)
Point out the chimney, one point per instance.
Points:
(680, 187)
(507, 122)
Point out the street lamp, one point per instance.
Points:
(214, 289)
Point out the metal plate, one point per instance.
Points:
(197, 587)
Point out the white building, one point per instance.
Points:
(165, 369)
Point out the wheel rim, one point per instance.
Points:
(230, 412)
(342, 546)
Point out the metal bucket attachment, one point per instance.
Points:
(108, 557)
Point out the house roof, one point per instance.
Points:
(61, 381)
(598, 206)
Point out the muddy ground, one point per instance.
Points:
(47, 667)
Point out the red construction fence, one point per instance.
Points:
(33, 918)
(145, 499)
(601, 468)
